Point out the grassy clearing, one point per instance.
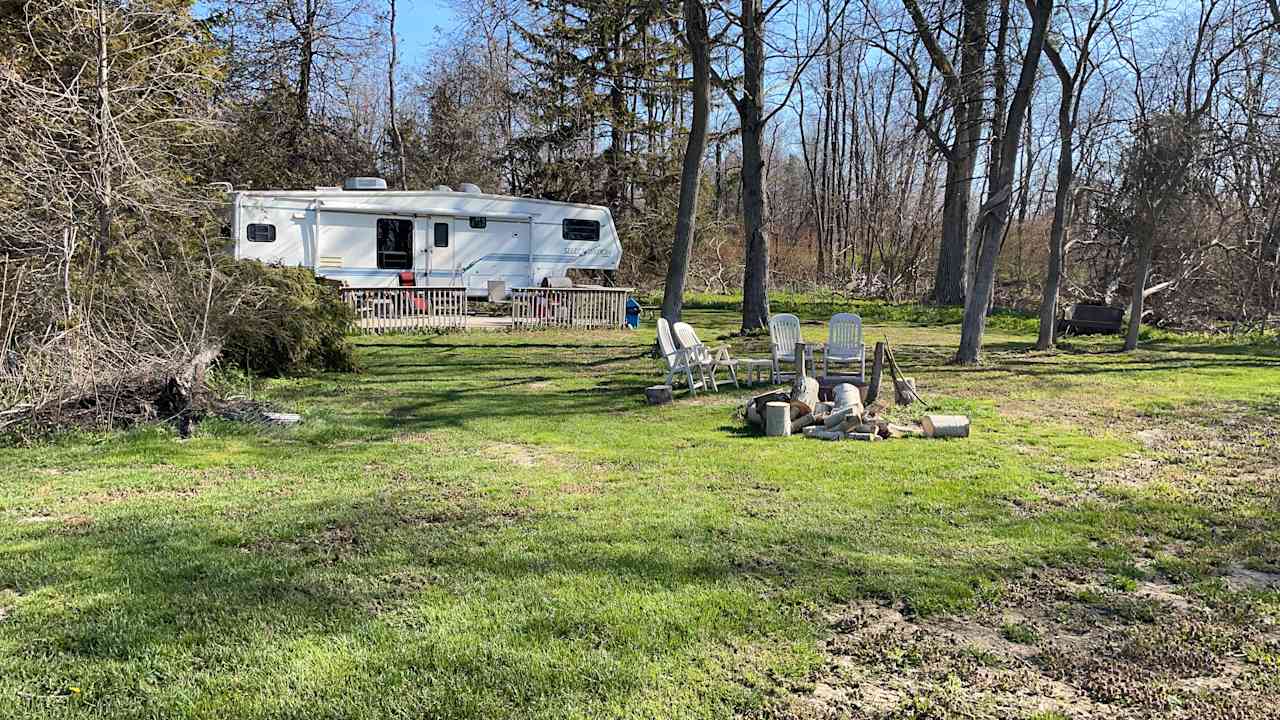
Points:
(495, 525)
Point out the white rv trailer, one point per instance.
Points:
(367, 236)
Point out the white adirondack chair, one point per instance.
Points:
(707, 360)
(677, 359)
(784, 333)
(844, 343)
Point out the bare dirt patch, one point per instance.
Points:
(525, 456)
(1241, 578)
(333, 543)
(1054, 642)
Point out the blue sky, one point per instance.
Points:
(420, 24)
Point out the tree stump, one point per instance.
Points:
(658, 394)
(777, 419)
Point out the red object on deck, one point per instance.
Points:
(406, 280)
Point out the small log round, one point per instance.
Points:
(846, 395)
(777, 419)
(658, 394)
(904, 391)
(945, 426)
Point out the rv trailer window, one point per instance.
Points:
(395, 244)
(588, 230)
(441, 234)
(479, 223)
(261, 232)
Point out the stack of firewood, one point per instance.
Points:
(844, 417)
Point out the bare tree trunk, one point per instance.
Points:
(697, 36)
(952, 274)
(1061, 201)
(306, 59)
(755, 275)
(994, 214)
(103, 137)
(391, 101)
(949, 275)
(1057, 232)
(1142, 268)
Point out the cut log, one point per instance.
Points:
(823, 434)
(279, 418)
(759, 402)
(777, 419)
(868, 437)
(904, 391)
(804, 390)
(945, 426)
(801, 422)
(896, 373)
(658, 394)
(846, 396)
(877, 372)
(838, 417)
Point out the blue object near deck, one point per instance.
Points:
(633, 313)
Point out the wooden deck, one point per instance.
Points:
(470, 322)
(439, 309)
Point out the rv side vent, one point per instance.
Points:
(364, 183)
(469, 188)
(442, 188)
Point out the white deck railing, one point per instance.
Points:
(592, 307)
(397, 309)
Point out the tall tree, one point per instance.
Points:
(993, 216)
(393, 120)
(747, 93)
(697, 36)
(1072, 81)
(964, 91)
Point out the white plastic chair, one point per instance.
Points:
(844, 343)
(708, 362)
(784, 333)
(677, 359)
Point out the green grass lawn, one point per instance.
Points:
(496, 525)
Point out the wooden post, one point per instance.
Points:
(877, 372)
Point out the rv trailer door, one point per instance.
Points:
(442, 266)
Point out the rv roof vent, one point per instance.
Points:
(364, 183)
(469, 188)
(442, 188)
